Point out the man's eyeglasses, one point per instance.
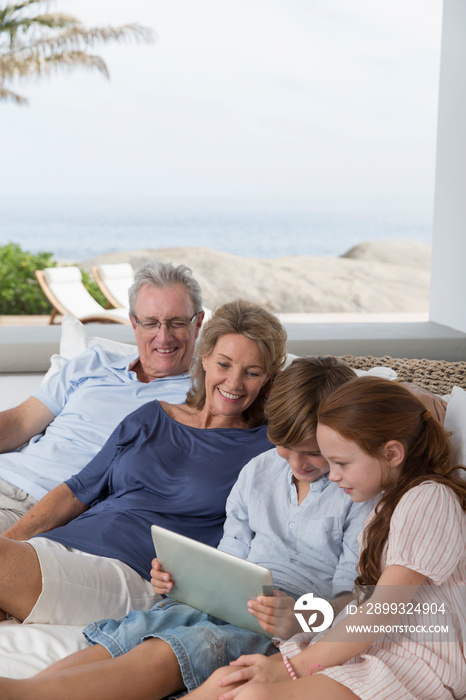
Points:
(173, 324)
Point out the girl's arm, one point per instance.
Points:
(396, 586)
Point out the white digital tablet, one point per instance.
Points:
(215, 582)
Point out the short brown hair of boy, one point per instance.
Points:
(296, 395)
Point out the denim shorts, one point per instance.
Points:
(200, 642)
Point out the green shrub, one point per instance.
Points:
(93, 288)
(19, 289)
(20, 293)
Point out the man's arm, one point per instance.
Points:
(56, 508)
(18, 425)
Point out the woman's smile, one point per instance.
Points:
(229, 395)
(234, 376)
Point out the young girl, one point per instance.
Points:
(376, 437)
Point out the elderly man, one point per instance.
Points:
(67, 420)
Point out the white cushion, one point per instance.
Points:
(384, 372)
(455, 423)
(118, 278)
(116, 271)
(62, 274)
(74, 341)
(27, 649)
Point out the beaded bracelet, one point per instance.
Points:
(310, 670)
(291, 671)
(290, 668)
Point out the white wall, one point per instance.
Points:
(448, 285)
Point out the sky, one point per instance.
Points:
(270, 99)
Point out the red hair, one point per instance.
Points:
(370, 412)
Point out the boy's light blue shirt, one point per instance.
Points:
(311, 547)
(89, 397)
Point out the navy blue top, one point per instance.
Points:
(155, 470)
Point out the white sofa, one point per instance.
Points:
(27, 649)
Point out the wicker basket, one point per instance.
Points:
(438, 376)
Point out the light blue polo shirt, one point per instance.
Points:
(90, 396)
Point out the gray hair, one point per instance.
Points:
(160, 275)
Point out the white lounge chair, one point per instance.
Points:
(114, 281)
(64, 289)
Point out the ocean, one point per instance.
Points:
(76, 229)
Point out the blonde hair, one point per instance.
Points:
(254, 322)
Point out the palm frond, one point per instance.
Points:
(8, 95)
(76, 59)
(25, 3)
(13, 16)
(36, 65)
(30, 59)
(32, 45)
(79, 35)
(10, 8)
(57, 20)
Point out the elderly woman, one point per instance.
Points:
(172, 465)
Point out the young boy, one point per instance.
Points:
(283, 513)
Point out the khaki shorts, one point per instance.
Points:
(78, 588)
(14, 503)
